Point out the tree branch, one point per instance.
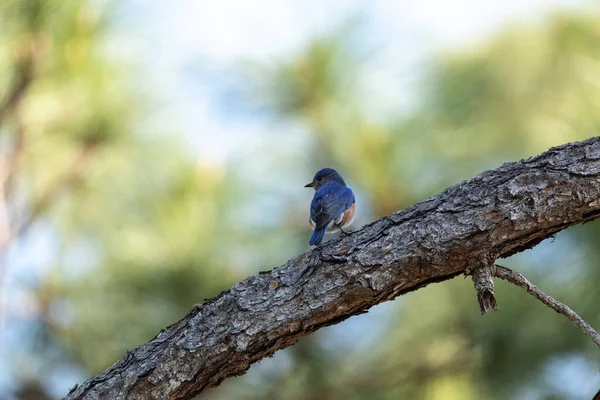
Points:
(24, 76)
(13, 228)
(484, 286)
(69, 177)
(517, 279)
(496, 214)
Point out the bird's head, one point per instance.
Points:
(323, 176)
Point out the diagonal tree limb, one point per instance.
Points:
(69, 177)
(519, 280)
(13, 228)
(496, 214)
(23, 79)
(24, 76)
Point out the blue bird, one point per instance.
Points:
(333, 205)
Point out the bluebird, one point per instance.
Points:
(332, 207)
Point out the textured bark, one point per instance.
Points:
(496, 214)
(484, 286)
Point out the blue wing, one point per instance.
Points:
(329, 202)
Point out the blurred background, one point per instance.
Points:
(154, 153)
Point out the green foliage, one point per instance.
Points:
(139, 223)
(144, 232)
(526, 90)
(523, 92)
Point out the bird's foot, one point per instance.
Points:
(343, 233)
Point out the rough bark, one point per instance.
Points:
(484, 286)
(496, 214)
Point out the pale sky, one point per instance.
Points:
(217, 34)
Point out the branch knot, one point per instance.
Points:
(482, 270)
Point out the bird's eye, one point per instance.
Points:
(319, 179)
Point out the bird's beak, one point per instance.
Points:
(309, 185)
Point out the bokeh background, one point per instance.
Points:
(153, 154)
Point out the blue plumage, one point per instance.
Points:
(332, 206)
(317, 236)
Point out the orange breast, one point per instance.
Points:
(348, 216)
(343, 220)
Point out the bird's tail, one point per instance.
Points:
(317, 236)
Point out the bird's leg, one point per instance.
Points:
(342, 232)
